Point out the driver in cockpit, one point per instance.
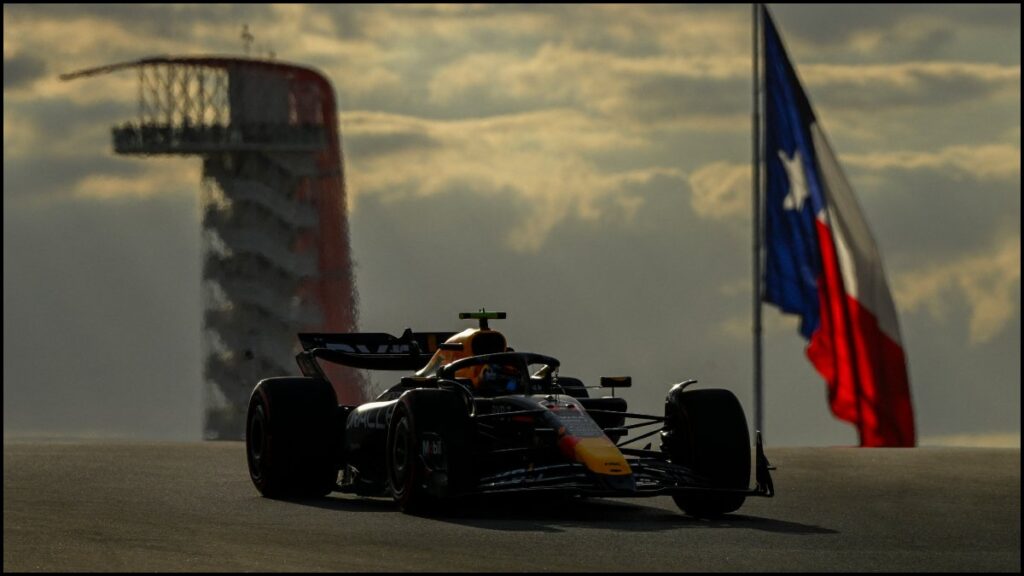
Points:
(500, 379)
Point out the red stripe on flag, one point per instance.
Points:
(865, 368)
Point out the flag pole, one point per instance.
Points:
(757, 146)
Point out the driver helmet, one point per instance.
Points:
(499, 379)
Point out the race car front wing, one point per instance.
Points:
(653, 475)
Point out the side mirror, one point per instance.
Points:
(616, 382)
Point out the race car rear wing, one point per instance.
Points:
(368, 350)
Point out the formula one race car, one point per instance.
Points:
(477, 417)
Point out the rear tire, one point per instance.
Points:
(706, 431)
(291, 437)
(429, 436)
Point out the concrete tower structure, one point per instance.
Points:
(276, 256)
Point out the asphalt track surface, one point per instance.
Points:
(133, 506)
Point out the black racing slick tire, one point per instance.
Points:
(706, 431)
(291, 437)
(427, 454)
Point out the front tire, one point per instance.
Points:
(291, 437)
(427, 455)
(706, 431)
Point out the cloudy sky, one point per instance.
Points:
(585, 168)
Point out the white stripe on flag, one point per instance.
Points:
(859, 259)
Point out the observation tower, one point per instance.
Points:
(275, 239)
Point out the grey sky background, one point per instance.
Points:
(584, 168)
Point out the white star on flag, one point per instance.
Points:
(797, 185)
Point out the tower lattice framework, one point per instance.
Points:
(276, 256)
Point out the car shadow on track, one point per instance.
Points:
(527, 513)
(532, 513)
(347, 503)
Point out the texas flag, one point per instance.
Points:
(821, 262)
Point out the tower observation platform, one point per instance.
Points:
(275, 239)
